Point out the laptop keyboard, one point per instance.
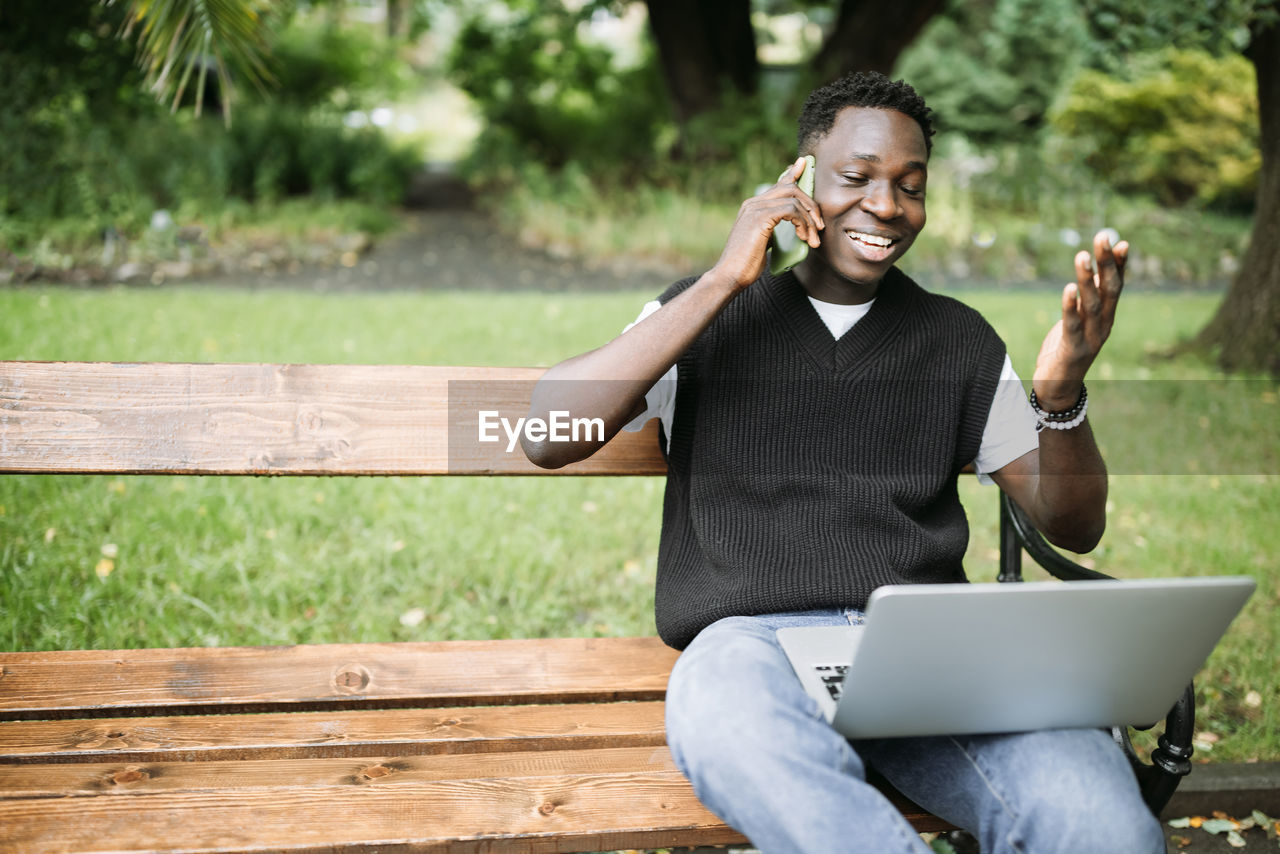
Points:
(832, 676)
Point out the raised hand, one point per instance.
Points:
(1088, 313)
(743, 258)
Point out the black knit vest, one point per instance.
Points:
(804, 472)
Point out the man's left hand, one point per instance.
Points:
(1088, 312)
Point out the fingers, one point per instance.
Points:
(1087, 284)
(797, 169)
(1071, 305)
(815, 217)
(1072, 313)
(786, 201)
(808, 222)
(1111, 262)
(806, 217)
(792, 173)
(1100, 285)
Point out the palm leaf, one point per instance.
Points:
(179, 39)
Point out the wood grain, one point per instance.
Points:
(587, 812)
(111, 779)
(400, 732)
(167, 418)
(333, 676)
(86, 779)
(631, 797)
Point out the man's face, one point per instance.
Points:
(870, 183)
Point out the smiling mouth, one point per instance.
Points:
(872, 241)
(873, 248)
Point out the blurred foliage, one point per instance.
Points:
(562, 116)
(1145, 131)
(180, 42)
(1047, 121)
(1121, 28)
(991, 69)
(1016, 190)
(321, 63)
(995, 72)
(550, 95)
(1015, 214)
(49, 50)
(85, 144)
(108, 176)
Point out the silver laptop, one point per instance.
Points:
(935, 659)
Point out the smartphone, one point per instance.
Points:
(786, 249)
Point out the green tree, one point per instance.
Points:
(1243, 334)
(547, 93)
(991, 70)
(1145, 132)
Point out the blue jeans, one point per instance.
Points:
(762, 757)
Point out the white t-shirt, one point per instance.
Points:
(1010, 431)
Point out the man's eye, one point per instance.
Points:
(913, 191)
(855, 179)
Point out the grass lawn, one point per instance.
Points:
(107, 562)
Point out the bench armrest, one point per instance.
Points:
(1171, 760)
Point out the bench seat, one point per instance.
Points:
(512, 745)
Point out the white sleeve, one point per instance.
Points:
(1011, 426)
(660, 401)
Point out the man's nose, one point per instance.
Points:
(881, 201)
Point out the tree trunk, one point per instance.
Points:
(705, 47)
(1244, 335)
(869, 36)
(398, 19)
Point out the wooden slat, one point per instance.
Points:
(400, 732)
(570, 813)
(121, 778)
(566, 800)
(333, 676)
(125, 778)
(165, 418)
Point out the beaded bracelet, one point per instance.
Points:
(1066, 419)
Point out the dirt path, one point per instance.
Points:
(461, 249)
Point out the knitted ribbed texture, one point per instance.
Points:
(805, 472)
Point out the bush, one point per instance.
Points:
(1182, 127)
(114, 174)
(549, 95)
(272, 152)
(991, 70)
(320, 64)
(86, 148)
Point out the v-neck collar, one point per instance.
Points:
(856, 346)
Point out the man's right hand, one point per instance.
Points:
(743, 258)
(611, 381)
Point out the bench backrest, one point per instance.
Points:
(252, 419)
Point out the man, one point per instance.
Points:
(815, 423)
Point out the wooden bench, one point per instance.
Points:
(519, 745)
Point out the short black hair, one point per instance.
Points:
(860, 89)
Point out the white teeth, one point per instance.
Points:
(873, 239)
